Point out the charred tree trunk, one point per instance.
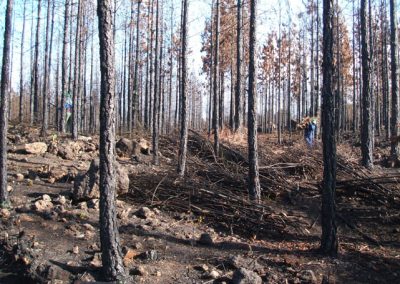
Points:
(216, 89)
(64, 68)
(5, 80)
(36, 69)
(329, 241)
(254, 181)
(113, 267)
(156, 93)
(184, 111)
(135, 100)
(238, 95)
(394, 122)
(21, 79)
(366, 130)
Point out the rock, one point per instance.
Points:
(36, 148)
(94, 204)
(202, 268)
(42, 206)
(124, 214)
(9, 188)
(158, 273)
(309, 276)
(58, 173)
(96, 261)
(238, 261)
(5, 213)
(129, 255)
(140, 271)
(205, 239)
(86, 186)
(145, 213)
(214, 274)
(61, 200)
(75, 250)
(53, 148)
(82, 205)
(89, 227)
(244, 276)
(46, 197)
(150, 255)
(128, 148)
(19, 177)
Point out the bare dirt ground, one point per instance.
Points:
(201, 229)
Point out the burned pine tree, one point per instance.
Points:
(4, 87)
(329, 242)
(113, 267)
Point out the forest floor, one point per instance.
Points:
(201, 229)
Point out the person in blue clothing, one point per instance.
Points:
(309, 132)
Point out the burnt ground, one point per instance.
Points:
(162, 242)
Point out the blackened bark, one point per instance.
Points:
(113, 267)
(36, 69)
(135, 99)
(395, 121)
(155, 125)
(21, 79)
(64, 68)
(329, 242)
(5, 80)
(45, 117)
(254, 181)
(77, 65)
(216, 85)
(366, 130)
(238, 95)
(184, 117)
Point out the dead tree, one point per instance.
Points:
(5, 80)
(184, 110)
(366, 129)
(238, 84)
(395, 121)
(21, 79)
(329, 242)
(113, 267)
(216, 81)
(36, 69)
(157, 72)
(64, 68)
(254, 180)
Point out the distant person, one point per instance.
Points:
(309, 132)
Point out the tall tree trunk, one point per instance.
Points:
(366, 131)
(21, 79)
(135, 100)
(64, 68)
(238, 95)
(254, 181)
(395, 121)
(45, 117)
(216, 73)
(113, 267)
(4, 85)
(77, 64)
(156, 93)
(329, 241)
(184, 117)
(36, 69)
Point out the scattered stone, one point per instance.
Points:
(89, 227)
(96, 261)
(158, 273)
(94, 204)
(86, 186)
(51, 180)
(145, 213)
(5, 213)
(89, 234)
(137, 246)
(75, 250)
(202, 268)
(214, 274)
(61, 200)
(309, 276)
(124, 214)
(82, 205)
(19, 177)
(244, 276)
(139, 270)
(42, 206)
(238, 261)
(150, 255)
(46, 197)
(205, 239)
(36, 148)
(9, 188)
